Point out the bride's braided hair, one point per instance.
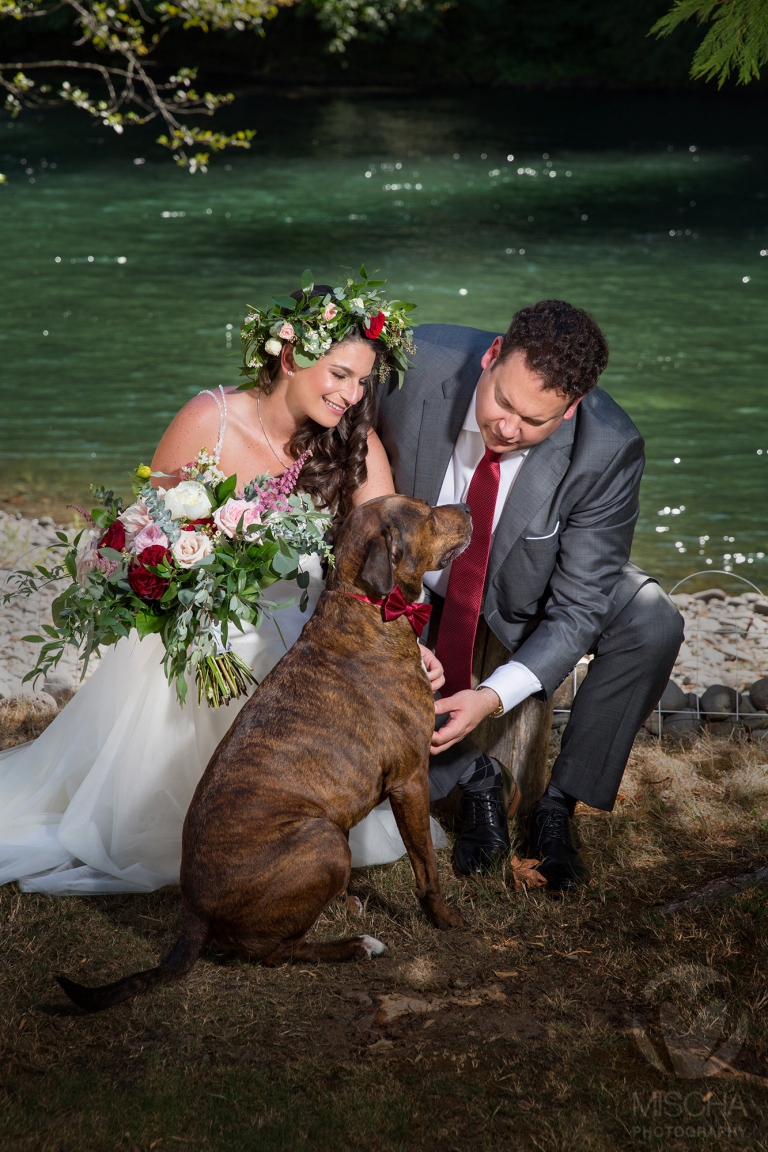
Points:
(337, 466)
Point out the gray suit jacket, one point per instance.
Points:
(559, 568)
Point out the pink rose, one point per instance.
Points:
(330, 312)
(286, 332)
(228, 516)
(150, 536)
(190, 548)
(134, 519)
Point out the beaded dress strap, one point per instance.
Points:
(221, 404)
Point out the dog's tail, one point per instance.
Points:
(195, 934)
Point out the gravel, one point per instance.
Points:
(24, 543)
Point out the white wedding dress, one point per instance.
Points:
(96, 804)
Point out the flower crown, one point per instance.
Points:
(314, 322)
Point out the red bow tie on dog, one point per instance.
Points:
(394, 605)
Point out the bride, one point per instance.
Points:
(96, 804)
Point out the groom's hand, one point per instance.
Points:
(467, 709)
(434, 668)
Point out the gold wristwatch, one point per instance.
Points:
(497, 711)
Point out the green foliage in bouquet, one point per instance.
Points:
(188, 564)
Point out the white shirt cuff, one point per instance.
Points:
(512, 683)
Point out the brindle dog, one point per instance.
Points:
(341, 722)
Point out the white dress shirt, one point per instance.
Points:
(512, 682)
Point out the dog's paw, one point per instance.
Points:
(354, 905)
(445, 917)
(372, 947)
(454, 919)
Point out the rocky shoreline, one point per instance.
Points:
(718, 684)
(24, 543)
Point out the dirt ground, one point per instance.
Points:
(598, 1022)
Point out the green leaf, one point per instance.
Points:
(226, 488)
(285, 302)
(33, 639)
(59, 604)
(307, 280)
(283, 564)
(147, 623)
(102, 517)
(303, 579)
(363, 272)
(303, 359)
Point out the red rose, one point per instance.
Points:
(147, 584)
(114, 537)
(373, 331)
(205, 522)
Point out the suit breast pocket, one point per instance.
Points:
(541, 541)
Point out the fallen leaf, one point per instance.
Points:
(429, 1023)
(505, 974)
(525, 875)
(380, 1046)
(392, 1005)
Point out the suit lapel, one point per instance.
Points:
(543, 469)
(441, 422)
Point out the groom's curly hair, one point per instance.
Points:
(563, 344)
(337, 466)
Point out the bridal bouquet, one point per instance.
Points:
(188, 563)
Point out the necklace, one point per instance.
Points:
(258, 410)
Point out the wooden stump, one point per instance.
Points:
(520, 739)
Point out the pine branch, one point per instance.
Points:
(737, 40)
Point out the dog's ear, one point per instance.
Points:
(376, 572)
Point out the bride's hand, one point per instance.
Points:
(434, 668)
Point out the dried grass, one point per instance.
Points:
(24, 717)
(530, 1049)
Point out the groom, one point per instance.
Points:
(550, 466)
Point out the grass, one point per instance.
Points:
(522, 1033)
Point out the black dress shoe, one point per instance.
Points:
(484, 835)
(550, 840)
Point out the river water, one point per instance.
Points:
(121, 273)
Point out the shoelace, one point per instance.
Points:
(556, 822)
(485, 806)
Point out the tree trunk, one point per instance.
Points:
(520, 739)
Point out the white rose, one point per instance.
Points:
(191, 547)
(273, 347)
(188, 499)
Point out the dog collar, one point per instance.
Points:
(394, 605)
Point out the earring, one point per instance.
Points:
(290, 373)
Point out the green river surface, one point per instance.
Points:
(120, 273)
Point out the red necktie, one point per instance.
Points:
(461, 610)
